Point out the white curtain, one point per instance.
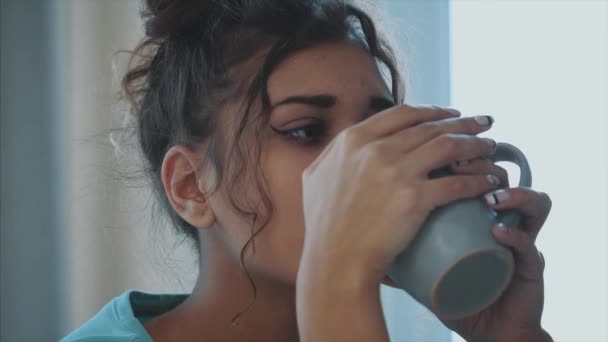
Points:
(112, 243)
(541, 69)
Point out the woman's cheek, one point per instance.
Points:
(284, 235)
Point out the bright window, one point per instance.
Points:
(541, 69)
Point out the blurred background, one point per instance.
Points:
(74, 234)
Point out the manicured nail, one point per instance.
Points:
(497, 197)
(484, 120)
(492, 144)
(453, 111)
(502, 227)
(493, 180)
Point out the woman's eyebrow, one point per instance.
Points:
(321, 101)
(376, 103)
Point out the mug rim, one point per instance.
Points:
(502, 288)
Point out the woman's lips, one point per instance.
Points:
(388, 281)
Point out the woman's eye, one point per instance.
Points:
(309, 134)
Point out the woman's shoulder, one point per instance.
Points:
(122, 318)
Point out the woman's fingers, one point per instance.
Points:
(445, 149)
(530, 262)
(440, 191)
(481, 166)
(533, 205)
(401, 117)
(410, 139)
(385, 123)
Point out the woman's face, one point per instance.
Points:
(315, 94)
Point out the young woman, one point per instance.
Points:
(276, 138)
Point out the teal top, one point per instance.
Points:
(121, 319)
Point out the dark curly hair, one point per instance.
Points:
(190, 64)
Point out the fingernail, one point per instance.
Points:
(484, 120)
(502, 227)
(491, 143)
(497, 197)
(493, 180)
(453, 111)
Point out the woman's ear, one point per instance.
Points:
(180, 174)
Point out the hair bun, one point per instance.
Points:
(177, 17)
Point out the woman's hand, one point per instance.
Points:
(516, 316)
(364, 199)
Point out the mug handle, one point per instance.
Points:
(509, 153)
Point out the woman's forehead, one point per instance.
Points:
(339, 68)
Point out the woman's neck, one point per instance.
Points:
(221, 292)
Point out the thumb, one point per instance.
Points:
(530, 263)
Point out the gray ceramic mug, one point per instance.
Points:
(454, 266)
